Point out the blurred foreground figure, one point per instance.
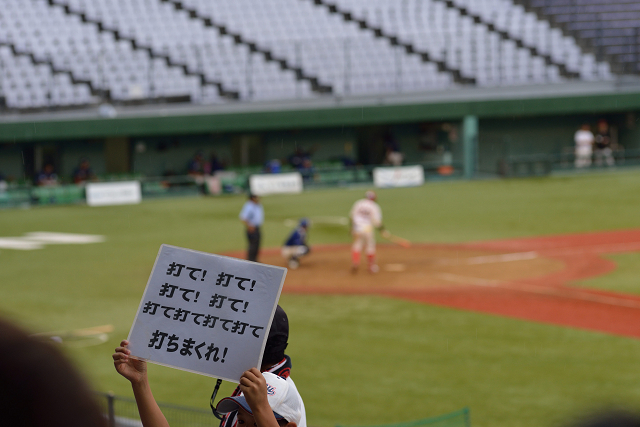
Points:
(611, 419)
(39, 387)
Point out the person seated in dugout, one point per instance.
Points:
(274, 361)
(47, 177)
(83, 172)
(296, 245)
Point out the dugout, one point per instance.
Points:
(479, 131)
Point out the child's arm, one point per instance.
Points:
(135, 371)
(254, 388)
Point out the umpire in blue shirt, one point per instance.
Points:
(252, 215)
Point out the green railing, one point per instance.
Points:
(123, 412)
(544, 164)
(25, 194)
(231, 181)
(460, 418)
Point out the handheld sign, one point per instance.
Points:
(206, 313)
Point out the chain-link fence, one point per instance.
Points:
(460, 418)
(123, 412)
(542, 164)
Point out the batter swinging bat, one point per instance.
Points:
(397, 240)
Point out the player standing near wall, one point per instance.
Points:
(603, 145)
(584, 146)
(365, 217)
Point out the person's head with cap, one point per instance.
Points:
(304, 222)
(371, 195)
(283, 398)
(276, 340)
(254, 198)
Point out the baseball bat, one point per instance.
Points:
(397, 240)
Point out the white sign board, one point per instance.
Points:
(262, 185)
(113, 193)
(402, 176)
(206, 313)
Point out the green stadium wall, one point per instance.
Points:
(500, 138)
(160, 144)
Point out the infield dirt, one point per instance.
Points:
(523, 278)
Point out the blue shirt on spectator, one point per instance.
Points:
(252, 213)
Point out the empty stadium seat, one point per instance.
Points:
(448, 35)
(610, 27)
(307, 46)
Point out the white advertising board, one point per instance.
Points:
(113, 193)
(206, 313)
(401, 176)
(262, 185)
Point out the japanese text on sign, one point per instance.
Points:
(206, 313)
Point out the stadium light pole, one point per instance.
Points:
(470, 145)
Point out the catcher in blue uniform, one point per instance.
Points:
(296, 245)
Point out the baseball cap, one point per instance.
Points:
(277, 338)
(370, 195)
(283, 397)
(304, 222)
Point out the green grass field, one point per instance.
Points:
(623, 279)
(357, 359)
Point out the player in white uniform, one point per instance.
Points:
(365, 217)
(584, 140)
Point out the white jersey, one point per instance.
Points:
(584, 140)
(365, 216)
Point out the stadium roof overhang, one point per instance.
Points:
(513, 102)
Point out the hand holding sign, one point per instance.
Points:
(135, 370)
(254, 388)
(206, 313)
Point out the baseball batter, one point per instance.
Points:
(365, 217)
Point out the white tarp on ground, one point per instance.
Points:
(63, 238)
(401, 176)
(19, 244)
(206, 313)
(262, 185)
(113, 193)
(38, 239)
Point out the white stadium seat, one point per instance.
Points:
(341, 55)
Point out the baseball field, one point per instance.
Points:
(519, 298)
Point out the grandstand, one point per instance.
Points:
(138, 123)
(68, 53)
(608, 28)
(138, 87)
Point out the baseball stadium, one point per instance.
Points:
(452, 188)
